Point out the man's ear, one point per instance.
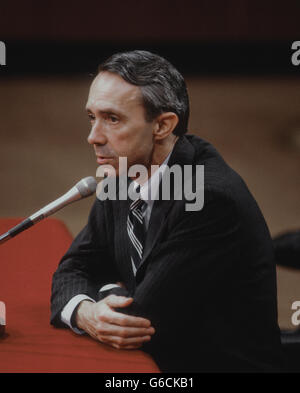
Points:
(165, 124)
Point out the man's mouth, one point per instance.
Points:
(103, 160)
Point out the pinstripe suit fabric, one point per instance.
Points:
(206, 280)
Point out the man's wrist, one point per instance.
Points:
(68, 311)
(79, 313)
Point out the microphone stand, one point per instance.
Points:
(84, 188)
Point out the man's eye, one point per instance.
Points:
(91, 117)
(113, 119)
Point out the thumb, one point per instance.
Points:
(118, 301)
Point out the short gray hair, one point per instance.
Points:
(162, 86)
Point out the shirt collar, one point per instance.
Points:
(150, 188)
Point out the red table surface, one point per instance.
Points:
(30, 343)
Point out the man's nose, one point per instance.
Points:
(96, 136)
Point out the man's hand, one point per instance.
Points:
(103, 323)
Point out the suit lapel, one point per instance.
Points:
(183, 154)
(158, 216)
(122, 253)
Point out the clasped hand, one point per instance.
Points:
(118, 330)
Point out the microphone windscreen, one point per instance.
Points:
(86, 186)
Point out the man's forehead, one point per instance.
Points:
(111, 87)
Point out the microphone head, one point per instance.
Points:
(86, 186)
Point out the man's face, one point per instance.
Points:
(119, 128)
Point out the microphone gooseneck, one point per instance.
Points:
(84, 188)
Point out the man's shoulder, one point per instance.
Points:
(219, 176)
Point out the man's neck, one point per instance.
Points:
(159, 157)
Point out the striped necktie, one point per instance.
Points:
(136, 230)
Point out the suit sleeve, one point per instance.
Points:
(86, 267)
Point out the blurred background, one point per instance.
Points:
(244, 92)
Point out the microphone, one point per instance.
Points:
(84, 188)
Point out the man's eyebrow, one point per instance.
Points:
(108, 110)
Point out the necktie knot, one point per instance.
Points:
(138, 204)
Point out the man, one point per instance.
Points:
(201, 294)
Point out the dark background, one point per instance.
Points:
(208, 36)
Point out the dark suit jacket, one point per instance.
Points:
(207, 280)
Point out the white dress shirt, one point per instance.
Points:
(148, 192)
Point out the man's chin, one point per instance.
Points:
(105, 170)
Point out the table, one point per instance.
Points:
(30, 343)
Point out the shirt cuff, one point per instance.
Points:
(69, 308)
(108, 286)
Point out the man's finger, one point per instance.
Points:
(120, 342)
(108, 329)
(136, 346)
(116, 318)
(118, 301)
